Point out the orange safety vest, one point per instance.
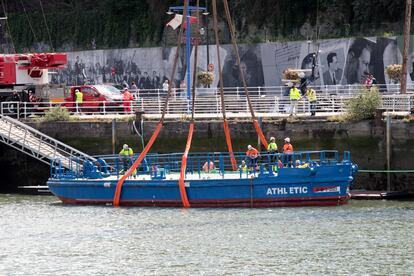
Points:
(253, 153)
(287, 148)
(127, 96)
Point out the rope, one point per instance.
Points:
(154, 136)
(141, 135)
(223, 106)
(47, 27)
(387, 171)
(28, 21)
(246, 92)
(180, 34)
(181, 184)
(134, 166)
(8, 27)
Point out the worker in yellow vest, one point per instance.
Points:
(294, 96)
(78, 100)
(272, 151)
(126, 156)
(311, 95)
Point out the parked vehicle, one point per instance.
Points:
(96, 98)
(24, 73)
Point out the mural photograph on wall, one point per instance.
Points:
(337, 62)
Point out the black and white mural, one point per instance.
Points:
(337, 61)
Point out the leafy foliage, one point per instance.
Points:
(57, 114)
(74, 24)
(205, 78)
(362, 107)
(394, 71)
(290, 74)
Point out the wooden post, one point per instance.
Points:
(407, 21)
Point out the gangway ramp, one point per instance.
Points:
(38, 145)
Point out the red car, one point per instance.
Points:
(96, 98)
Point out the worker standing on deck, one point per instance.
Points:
(78, 100)
(126, 156)
(272, 151)
(288, 151)
(209, 166)
(252, 155)
(243, 166)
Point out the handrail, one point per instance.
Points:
(25, 127)
(209, 105)
(171, 162)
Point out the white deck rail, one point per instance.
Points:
(264, 100)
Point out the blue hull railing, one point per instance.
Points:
(159, 165)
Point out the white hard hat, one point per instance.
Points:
(76, 90)
(249, 147)
(125, 146)
(272, 138)
(287, 139)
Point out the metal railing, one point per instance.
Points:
(38, 145)
(266, 102)
(158, 165)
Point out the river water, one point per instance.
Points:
(41, 236)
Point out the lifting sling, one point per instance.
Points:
(223, 106)
(118, 189)
(236, 52)
(181, 184)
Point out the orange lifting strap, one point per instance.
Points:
(135, 165)
(260, 133)
(229, 145)
(183, 192)
(236, 52)
(154, 136)
(223, 105)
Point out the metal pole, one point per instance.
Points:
(259, 144)
(388, 152)
(208, 43)
(208, 37)
(113, 135)
(407, 21)
(188, 52)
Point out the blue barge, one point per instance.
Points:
(309, 178)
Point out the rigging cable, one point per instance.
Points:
(30, 23)
(223, 106)
(246, 92)
(118, 189)
(181, 183)
(47, 27)
(8, 27)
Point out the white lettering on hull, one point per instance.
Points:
(295, 190)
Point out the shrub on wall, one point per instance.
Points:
(394, 71)
(363, 106)
(57, 114)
